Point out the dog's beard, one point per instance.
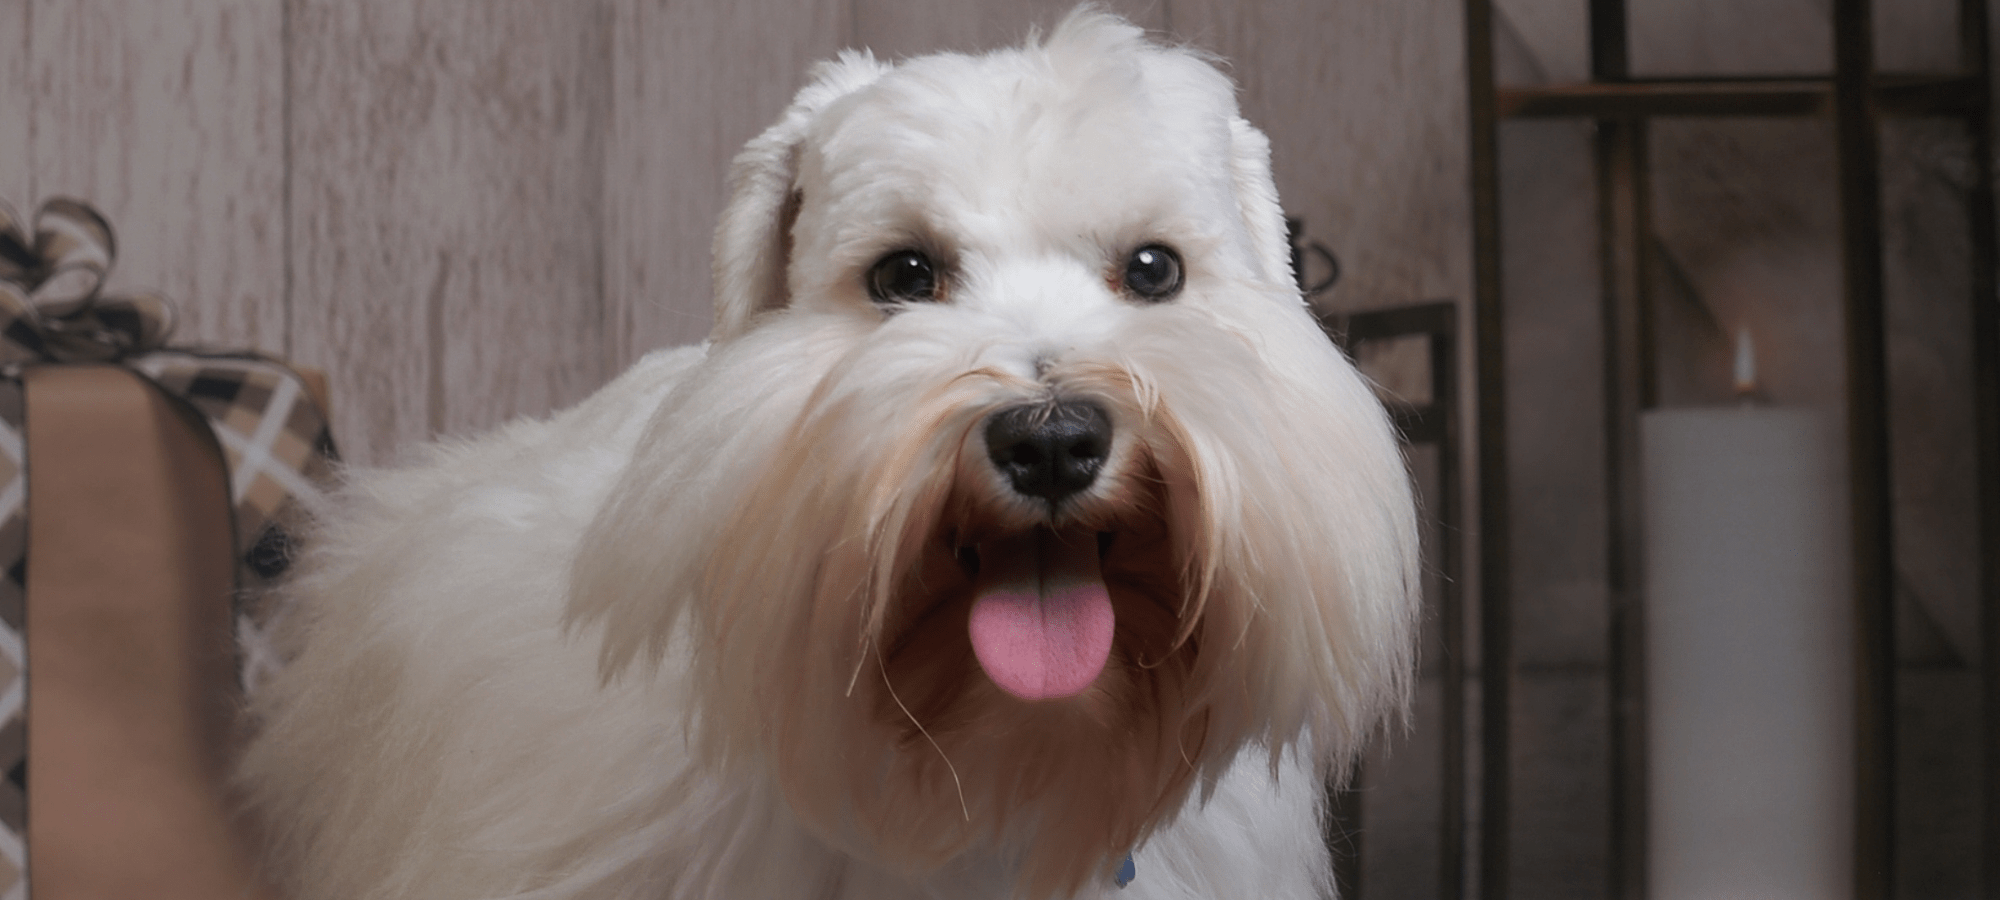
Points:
(829, 614)
(869, 700)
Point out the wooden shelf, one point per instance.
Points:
(1907, 95)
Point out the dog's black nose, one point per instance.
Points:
(1049, 450)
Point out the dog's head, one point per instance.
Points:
(1018, 492)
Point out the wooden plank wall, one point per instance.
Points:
(469, 211)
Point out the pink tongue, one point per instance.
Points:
(1042, 621)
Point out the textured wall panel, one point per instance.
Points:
(690, 83)
(445, 187)
(897, 28)
(168, 117)
(17, 104)
(1365, 106)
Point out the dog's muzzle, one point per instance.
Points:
(1049, 450)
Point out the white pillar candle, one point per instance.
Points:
(1749, 673)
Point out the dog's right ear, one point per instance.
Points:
(753, 241)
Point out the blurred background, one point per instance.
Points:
(467, 211)
(1549, 218)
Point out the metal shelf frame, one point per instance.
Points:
(1855, 98)
(1435, 423)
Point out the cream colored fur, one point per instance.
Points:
(702, 635)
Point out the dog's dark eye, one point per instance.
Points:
(905, 276)
(1153, 272)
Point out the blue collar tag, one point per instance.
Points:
(1126, 872)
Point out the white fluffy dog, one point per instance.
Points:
(1016, 519)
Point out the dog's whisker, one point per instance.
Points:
(855, 677)
(955, 784)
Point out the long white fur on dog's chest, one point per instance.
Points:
(1005, 339)
(1251, 835)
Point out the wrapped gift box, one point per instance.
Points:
(145, 502)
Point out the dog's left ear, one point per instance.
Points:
(1257, 197)
(753, 240)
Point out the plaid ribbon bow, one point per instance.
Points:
(49, 292)
(279, 452)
